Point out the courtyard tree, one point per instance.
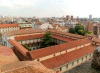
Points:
(72, 30)
(47, 40)
(26, 46)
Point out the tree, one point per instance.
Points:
(72, 30)
(78, 27)
(81, 32)
(47, 40)
(26, 46)
(89, 32)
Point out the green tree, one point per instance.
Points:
(81, 32)
(89, 32)
(78, 27)
(26, 46)
(72, 30)
(47, 40)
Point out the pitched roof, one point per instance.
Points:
(35, 54)
(62, 38)
(7, 56)
(18, 46)
(66, 33)
(24, 31)
(26, 37)
(8, 25)
(25, 67)
(67, 57)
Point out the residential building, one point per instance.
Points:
(70, 50)
(8, 27)
(25, 25)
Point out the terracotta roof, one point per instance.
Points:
(54, 25)
(54, 49)
(62, 27)
(61, 38)
(38, 23)
(25, 67)
(26, 37)
(67, 57)
(67, 34)
(24, 31)
(8, 25)
(7, 56)
(18, 46)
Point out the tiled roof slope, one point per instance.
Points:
(8, 25)
(24, 31)
(7, 56)
(67, 57)
(35, 54)
(61, 38)
(25, 67)
(26, 37)
(18, 46)
(68, 34)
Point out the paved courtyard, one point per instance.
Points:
(84, 68)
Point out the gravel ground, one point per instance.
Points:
(84, 68)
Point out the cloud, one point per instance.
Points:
(50, 7)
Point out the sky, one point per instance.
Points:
(50, 8)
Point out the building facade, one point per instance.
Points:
(8, 27)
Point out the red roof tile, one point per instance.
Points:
(26, 37)
(18, 46)
(7, 56)
(58, 48)
(62, 38)
(8, 25)
(67, 57)
(24, 31)
(67, 34)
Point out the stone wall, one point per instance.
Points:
(96, 59)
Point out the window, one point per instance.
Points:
(77, 60)
(72, 63)
(67, 66)
(37, 59)
(90, 55)
(60, 68)
(82, 59)
(54, 55)
(86, 57)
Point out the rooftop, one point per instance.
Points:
(57, 48)
(24, 31)
(26, 37)
(67, 57)
(7, 56)
(18, 46)
(25, 67)
(8, 25)
(66, 33)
